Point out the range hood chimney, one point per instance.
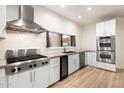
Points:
(25, 21)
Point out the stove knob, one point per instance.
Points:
(19, 69)
(46, 62)
(35, 65)
(43, 63)
(30, 66)
(13, 70)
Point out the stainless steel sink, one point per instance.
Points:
(69, 52)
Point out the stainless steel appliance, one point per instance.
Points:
(106, 43)
(82, 59)
(106, 49)
(106, 56)
(29, 60)
(25, 21)
(63, 67)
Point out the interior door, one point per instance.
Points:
(22, 80)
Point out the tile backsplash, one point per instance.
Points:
(24, 40)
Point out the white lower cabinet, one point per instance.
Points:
(3, 82)
(111, 67)
(90, 58)
(41, 77)
(22, 80)
(54, 70)
(73, 63)
(2, 79)
(36, 78)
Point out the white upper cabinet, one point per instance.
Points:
(106, 28)
(2, 21)
(100, 29)
(110, 27)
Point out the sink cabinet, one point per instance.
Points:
(73, 63)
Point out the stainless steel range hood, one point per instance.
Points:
(25, 21)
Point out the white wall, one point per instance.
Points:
(120, 43)
(56, 23)
(49, 20)
(24, 40)
(88, 37)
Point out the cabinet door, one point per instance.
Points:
(100, 29)
(91, 58)
(93, 54)
(76, 62)
(110, 27)
(2, 79)
(41, 77)
(22, 80)
(2, 21)
(54, 73)
(86, 58)
(3, 82)
(71, 63)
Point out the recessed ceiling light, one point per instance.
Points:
(89, 8)
(62, 6)
(79, 17)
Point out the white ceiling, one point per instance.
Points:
(98, 12)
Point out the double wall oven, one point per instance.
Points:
(106, 49)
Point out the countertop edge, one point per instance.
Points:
(63, 54)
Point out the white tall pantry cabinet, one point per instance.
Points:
(2, 21)
(114, 27)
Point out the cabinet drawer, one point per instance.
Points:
(55, 60)
(111, 67)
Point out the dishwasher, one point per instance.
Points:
(63, 67)
(82, 59)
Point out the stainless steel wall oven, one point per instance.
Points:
(106, 49)
(106, 43)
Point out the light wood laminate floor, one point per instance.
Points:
(91, 77)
